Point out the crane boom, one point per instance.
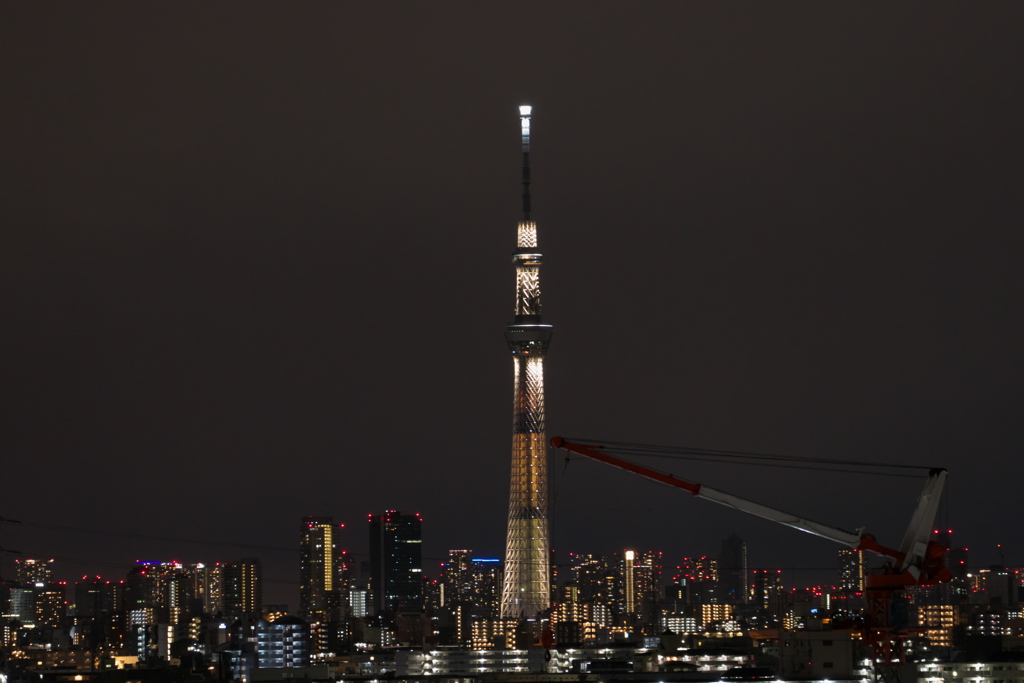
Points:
(714, 495)
(773, 515)
(919, 561)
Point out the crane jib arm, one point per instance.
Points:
(918, 562)
(722, 498)
(593, 453)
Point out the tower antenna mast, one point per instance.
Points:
(524, 119)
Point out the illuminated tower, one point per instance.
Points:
(526, 589)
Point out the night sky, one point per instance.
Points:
(256, 265)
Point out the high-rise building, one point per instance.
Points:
(628, 582)
(97, 602)
(31, 571)
(396, 562)
(142, 586)
(956, 561)
(487, 574)
(320, 570)
(767, 591)
(51, 605)
(527, 585)
(851, 570)
(207, 586)
(21, 605)
(243, 588)
(456, 581)
(179, 597)
(166, 588)
(732, 568)
(647, 568)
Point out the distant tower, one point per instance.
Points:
(526, 589)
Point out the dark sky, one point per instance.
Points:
(255, 266)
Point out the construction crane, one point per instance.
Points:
(919, 561)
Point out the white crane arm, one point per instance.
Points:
(771, 514)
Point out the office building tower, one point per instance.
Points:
(51, 604)
(243, 588)
(767, 592)
(142, 586)
(628, 583)
(93, 597)
(21, 605)
(207, 587)
(166, 588)
(29, 571)
(647, 568)
(732, 571)
(396, 562)
(321, 589)
(851, 570)
(527, 586)
(456, 580)
(487, 575)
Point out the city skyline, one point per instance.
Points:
(289, 590)
(255, 268)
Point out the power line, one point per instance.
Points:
(761, 464)
(167, 539)
(746, 457)
(146, 537)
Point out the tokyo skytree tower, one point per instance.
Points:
(526, 590)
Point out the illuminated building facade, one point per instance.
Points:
(22, 605)
(709, 614)
(320, 570)
(51, 605)
(767, 592)
(32, 571)
(396, 562)
(283, 643)
(629, 582)
(456, 581)
(937, 623)
(167, 588)
(243, 588)
(646, 589)
(472, 580)
(851, 570)
(208, 585)
(527, 584)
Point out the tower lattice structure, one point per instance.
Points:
(527, 585)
